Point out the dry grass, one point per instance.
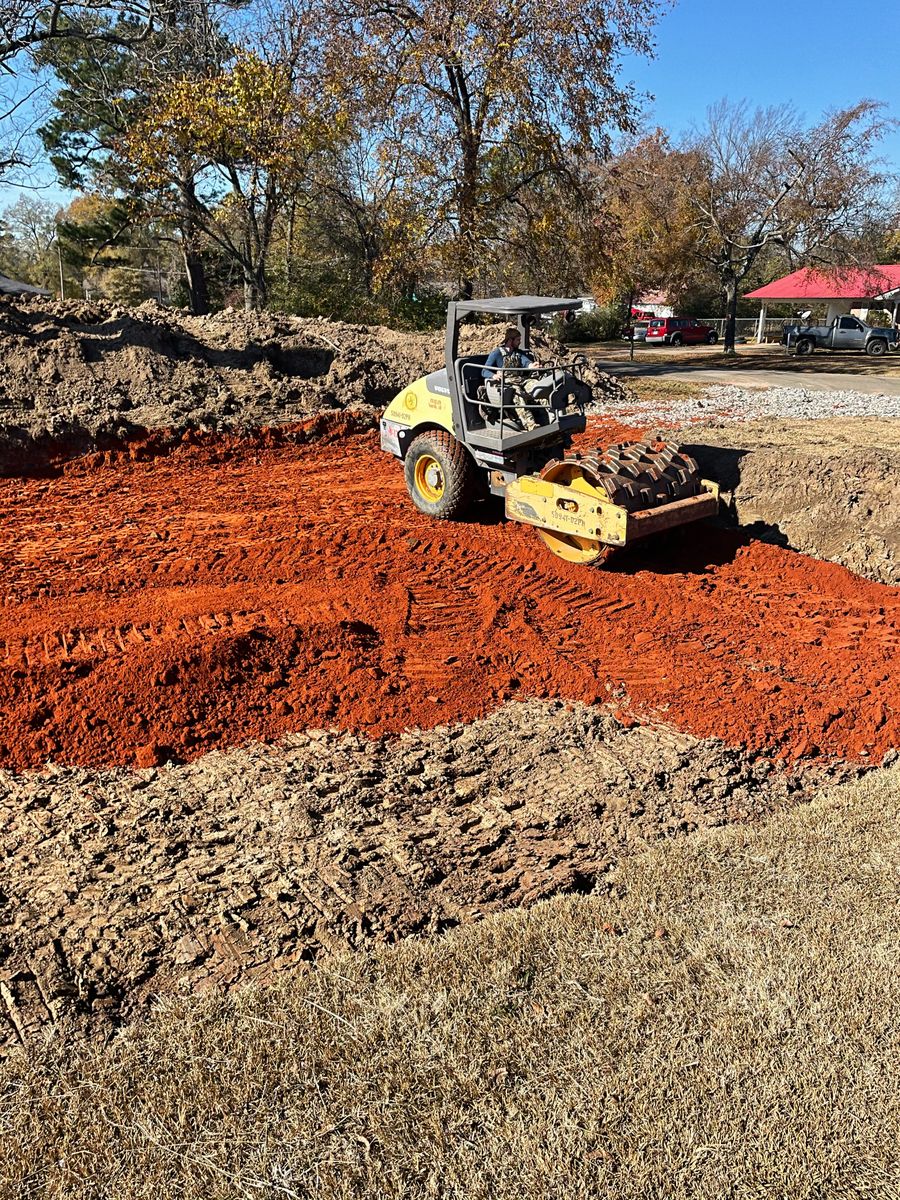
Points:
(649, 388)
(727, 1025)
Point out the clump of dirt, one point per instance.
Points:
(120, 887)
(154, 608)
(826, 487)
(88, 374)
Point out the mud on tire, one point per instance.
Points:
(440, 475)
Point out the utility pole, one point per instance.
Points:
(631, 325)
(62, 281)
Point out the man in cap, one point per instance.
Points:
(512, 360)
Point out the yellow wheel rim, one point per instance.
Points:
(571, 546)
(429, 477)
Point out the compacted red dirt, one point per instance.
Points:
(159, 604)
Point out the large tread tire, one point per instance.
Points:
(804, 346)
(459, 476)
(645, 474)
(877, 347)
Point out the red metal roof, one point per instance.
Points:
(846, 284)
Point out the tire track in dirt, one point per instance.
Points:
(124, 886)
(230, 589)
(89, 645)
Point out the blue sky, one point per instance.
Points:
(816, 55)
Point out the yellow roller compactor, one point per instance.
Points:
(459, 438)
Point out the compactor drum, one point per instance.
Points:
(459, 440)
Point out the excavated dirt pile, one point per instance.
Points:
(159, 606)
(88, 375)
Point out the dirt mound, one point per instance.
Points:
(156, 608)
(89, 374)
(120, 887)
(827, 487)
(92, 370)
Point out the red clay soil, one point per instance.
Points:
(158, 605)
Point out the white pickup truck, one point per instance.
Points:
(844, 333)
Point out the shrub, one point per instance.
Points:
(598, 325)
(879, 318)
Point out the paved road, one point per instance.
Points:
(824, 381)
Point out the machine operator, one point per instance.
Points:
(515, 390)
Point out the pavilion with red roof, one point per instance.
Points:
(842, 289)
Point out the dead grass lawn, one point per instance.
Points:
(727, 1025)
(648, 389)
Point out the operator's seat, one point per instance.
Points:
(468, 369)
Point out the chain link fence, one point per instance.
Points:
(746, 328)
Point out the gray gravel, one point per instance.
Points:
(787, 403)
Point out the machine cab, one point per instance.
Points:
(555, 395)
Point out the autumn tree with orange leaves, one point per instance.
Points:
(487, 99)
(646, 226)
(749, 185)
(248, 133)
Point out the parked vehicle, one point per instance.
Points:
(680, 331)
(637, 331)
(844, 333)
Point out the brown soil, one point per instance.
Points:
(827, 487)
(121, 887)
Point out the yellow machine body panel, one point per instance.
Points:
(585, 515)
(421, 404)
(547, 505)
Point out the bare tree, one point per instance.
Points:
(759, 180)
(26, 25)
(30, 27)
(29, 231)
(17, 122)
(32, 223)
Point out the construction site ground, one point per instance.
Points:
(255, 710)
(719, 1019)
